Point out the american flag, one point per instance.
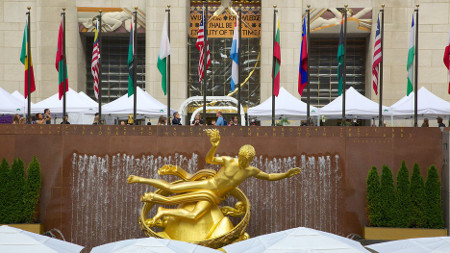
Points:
(377, 50)
(200, 45)
(95, 61)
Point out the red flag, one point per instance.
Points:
(277, 61)
(447, 59)
(60, 63)
(26, 60)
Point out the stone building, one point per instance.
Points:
(434, 22)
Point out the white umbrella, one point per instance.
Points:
(13, 240)
(151, 245)
(417, 245)
(297, 240)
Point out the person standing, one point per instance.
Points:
(425, 123)
(197, 121)
(219, 121)
(66, 120)
(47, 116)
(440, 123)
(176, 119)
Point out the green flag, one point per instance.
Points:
(410, 63)
(130, 62)
(340, 58)
(164, 52)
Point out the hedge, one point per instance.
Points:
(433, 206)
(19, 195)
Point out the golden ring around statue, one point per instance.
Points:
(236, 234)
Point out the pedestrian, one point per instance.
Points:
(219, 121)
(425, 123)
(176, 119)
(197, 121)
(16, 119)
(66, 120)
(440, 123)
(47, 116)
(162, 121)
(39, 119)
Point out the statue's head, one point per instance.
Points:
(246, 154)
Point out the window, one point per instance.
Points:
(114, 56)
(323, 68)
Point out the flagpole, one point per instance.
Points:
(29, 65)
(380, 108)
(308, 98)
(239, 67)
(416, 65)
(135, 66)
(64, 63)
(168, 67)
(273, 62)
(344, 65)
(99, 41)
(205, 58)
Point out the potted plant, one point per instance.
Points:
(20, 194)
(411, 209)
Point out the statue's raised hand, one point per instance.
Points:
(293, 172)
(214, 136)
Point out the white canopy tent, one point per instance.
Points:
(22, 99)
(356, 105)
(151, 245)
(286, 105)
(146, 105)
(428, 104)
(299, 240)
(74, 104)
(17, 240)
(9, 104)
(415, 245)
(88, 100)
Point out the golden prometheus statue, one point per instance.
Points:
(198, 218)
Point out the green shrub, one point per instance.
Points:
(15, 189)
(403, 205)
(373, 199)
(4, 171)
(433, 207)
(417, 198)
(32, 190)
(387, 197)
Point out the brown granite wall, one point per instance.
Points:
(84, 169)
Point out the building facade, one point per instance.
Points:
(434, 22)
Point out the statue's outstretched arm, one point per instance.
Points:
(277, 176)
(214, 137)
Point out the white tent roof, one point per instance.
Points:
(146, 105)
(285, 105)
(17, 240)
(88, 100)
(417, 245)
(427, 104)
(74, 104)
(355, 105)
(151, 245)
(298, 240)
(9, 104)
